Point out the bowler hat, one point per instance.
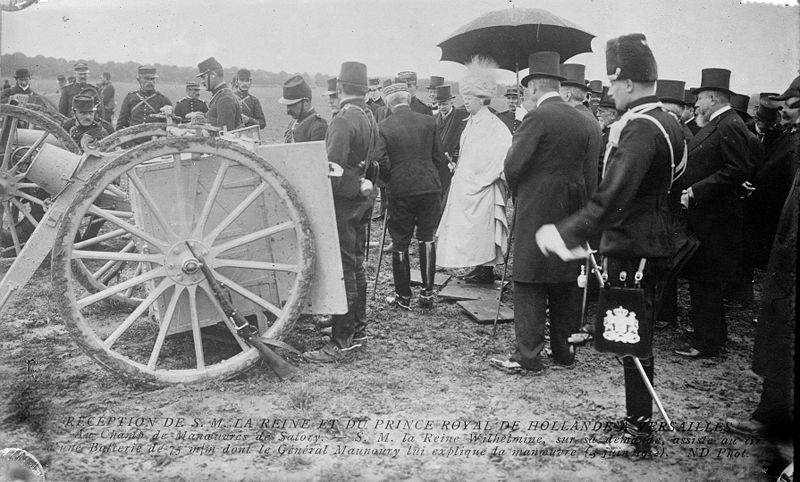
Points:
(629, 57)
(574, 75)
(596, 87)
(81, 67)
(21, 73)
(394, 88)
(331, 87)
(294, 90)
(792, 91)
(435, 81)
(443, 93)
(243, 74)
(83, 103)
(688, 97)
(670, 91)
(606, 100)
(714, 79)
(207, 66)
(407, 76)
(543, 64)
(147, 72)
(353, 73)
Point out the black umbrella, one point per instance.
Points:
(509, 36)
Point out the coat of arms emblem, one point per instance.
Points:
(621, 325)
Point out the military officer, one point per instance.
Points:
(252, 114)
(224, 110)
(509, 116)
(410, 79)
(84, 122)
(350, 142)
(333, 97)
(108, 100)
(306, 124)
(191, 103)
(138, 106)
(80, 85)
(374, 99)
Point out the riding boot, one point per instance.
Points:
(427, 268)
(401, 270)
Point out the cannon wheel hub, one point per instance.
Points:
(181, 266)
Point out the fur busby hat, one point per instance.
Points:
(479, 79)
(629, 57)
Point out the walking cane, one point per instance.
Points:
(505, 270)
(636, 360)
(380, 255)
(369, 234)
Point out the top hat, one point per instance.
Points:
(543, 64)
(394, 88)
(331, 87)
(193, 84)
(767, 112)
(407, 76)
(688, 97)
(739, 102)
(243, 74)
(670, 91)
(147, 72)
(81, 67)
(353, 73)
(207, 66)
(21, 73)
(574, 75)
(629, 57)
(605, 99)
(83, 103)
(596, 87)
(443, 93)
(294, 90)
(435, 82)
(511, 92)
(714, 79)
(792, 91)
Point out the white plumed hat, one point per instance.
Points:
(479, 79)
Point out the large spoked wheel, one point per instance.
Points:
(23, 203)
(132, 136)
(235, 211)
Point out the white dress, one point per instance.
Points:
(474, 230)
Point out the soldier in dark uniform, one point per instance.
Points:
(509, 116)
(138, 106)
(374, 99)
(252, 114)
(84, 122)
(191, 103)
(333, 97)
(629, 207)
(224, 110)
(410, 154)
(107, 97)
(410, 79)
(350, 143)
(306, 124)
(81, 85)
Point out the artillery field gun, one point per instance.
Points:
(122, 221)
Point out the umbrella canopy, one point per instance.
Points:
(509, 36)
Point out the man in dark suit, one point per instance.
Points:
(574, 89)
(551, 169)
(450, 122)
(630, 206)
(410, 155)
(719, 162)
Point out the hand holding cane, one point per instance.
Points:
(505, 270)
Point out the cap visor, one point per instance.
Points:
(288, 101)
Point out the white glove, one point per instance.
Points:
(550, 242)
(686, 196)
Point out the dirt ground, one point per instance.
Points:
(420, 402)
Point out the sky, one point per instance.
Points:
(758, 42)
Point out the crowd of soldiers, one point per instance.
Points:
(663, 181)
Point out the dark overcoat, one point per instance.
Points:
(719, 162)
(450, 128)
(551, 169)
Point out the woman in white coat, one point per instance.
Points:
(473, 229)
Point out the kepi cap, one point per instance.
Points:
(394, 88)
(207, 66)
(147, 72)
(83, 103)
(295, 90)
(81, 67)
(243, 74)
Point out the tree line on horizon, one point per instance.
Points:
(50, 67)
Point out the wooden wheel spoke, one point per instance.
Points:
(180, 191)
(235, 213)
(10, 132)
(108, 216)
(250, 295)
(260, 265)
(212, 196)
(112, 290)
(26, 185)
(29, 197)
(152, 205)
(198, 338)
(99, 239)
(33, 148)
(166, 321)
(250, 237)
(136, 313)
(118, 256)
(100, 272)
(242, 344)
(24, 212)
